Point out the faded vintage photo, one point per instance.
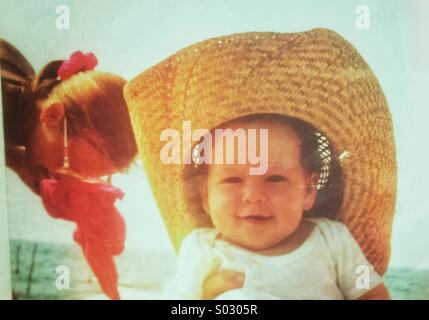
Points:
(215, 150)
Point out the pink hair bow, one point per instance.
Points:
(76, 63)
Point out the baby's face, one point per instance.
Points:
(259, 211)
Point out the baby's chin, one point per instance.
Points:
(256, 242)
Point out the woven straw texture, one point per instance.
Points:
(316, 76)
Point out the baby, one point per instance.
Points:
(267, 235)
(263, 244)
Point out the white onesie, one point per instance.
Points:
(328, 265)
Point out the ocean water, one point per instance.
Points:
(142, 272)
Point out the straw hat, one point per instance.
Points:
(316, 76)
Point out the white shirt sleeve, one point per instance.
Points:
(193, 266)
(356, 275)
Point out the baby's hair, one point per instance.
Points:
(310, 156)
(316, 156)
(93, 100)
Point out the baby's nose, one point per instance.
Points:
(254, 194)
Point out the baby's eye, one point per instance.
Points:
(232, 180)
(275, 178)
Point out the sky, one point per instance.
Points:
(130, 36)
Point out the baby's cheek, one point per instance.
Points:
(223, 204)
(277, 194)
(284, 193)
(223, 195)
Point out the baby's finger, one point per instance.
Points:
(222, 281)
(229, 278)
(234, 278)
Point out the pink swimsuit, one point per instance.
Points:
(100, 227)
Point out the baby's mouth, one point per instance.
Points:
(256, 218)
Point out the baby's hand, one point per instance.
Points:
(220, 282)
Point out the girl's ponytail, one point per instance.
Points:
(46, 80)
(16, 76)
